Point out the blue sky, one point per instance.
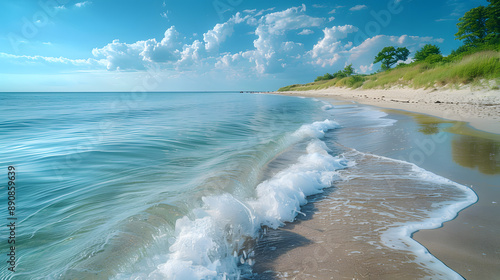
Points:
(166, 45)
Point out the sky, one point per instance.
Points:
(208, 45)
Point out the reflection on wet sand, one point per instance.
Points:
(470, 148)
(475, 152)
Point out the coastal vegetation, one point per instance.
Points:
(476, 62)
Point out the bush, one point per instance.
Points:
(434, 58)
(426, 51)
(327, 76)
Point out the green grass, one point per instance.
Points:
(471, 69)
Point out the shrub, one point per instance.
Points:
(434, 58)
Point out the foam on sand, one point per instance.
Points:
(212, 242)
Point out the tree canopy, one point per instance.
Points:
(426, 51)
(480, 25)
(390, 56)
(472, 26)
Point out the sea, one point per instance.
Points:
(184, 185)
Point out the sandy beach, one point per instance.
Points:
(326, 244)
(480, 108)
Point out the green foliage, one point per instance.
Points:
(327, 76)
(434, 58)
(470, 69)
(349, 70)
(493, 21)
(480, 25)
(390, 56)
(476, 63)
(351, 82)
(426, 51)
(472, 26)
(464, 50)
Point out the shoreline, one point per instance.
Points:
(467, 243)
(479, 108)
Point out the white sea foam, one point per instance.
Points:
(211, 243)
(400, 237)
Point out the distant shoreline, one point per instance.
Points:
(480, 108)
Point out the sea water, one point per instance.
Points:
(174, 185)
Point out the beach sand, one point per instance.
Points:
(480, 108)
(327, 244)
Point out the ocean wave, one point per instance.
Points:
(214, 242)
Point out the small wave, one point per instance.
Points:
(399, 236)
(214, 242)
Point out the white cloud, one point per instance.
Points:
(164, 51)
(330, 19)
(306, 32)
(213, 38)
(47, 59)
(366, 68)
(332, 11)
(123, 56)
(293, 18)
(358, 7)
(318, 6)
(273, 52)
(191, 54)
(272, 27)
(82, 4)
(261, 12)
(327, 51)
(164, 15)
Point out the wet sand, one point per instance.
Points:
(480, 108)
(321, 245)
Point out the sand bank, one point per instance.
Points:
(480, 108)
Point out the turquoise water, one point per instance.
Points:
(162, 185)
(101, 175)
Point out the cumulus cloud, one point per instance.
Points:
(293, 18)
(358, 7)
(328, 50)
(213, 38)
(123, 56)
(276, 48)
(270, 51)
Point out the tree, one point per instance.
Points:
(349, 70)
(493, 21)
(472, 26)
(390, 56)
(426, 51)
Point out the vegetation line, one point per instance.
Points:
(476, 62)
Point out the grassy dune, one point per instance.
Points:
(477, 69)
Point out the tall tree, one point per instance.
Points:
(472, 26)
(426, 51)
(349, 70)
(390, 56)
(493, 21)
